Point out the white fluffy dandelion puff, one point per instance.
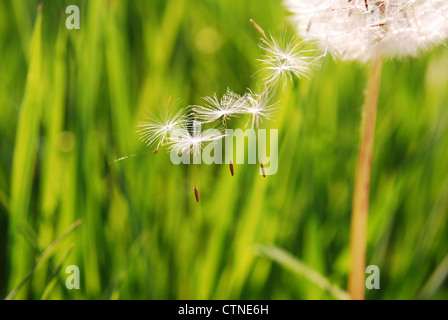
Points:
(362, 29)
(228, 106)
(285, 59)
(156, 130)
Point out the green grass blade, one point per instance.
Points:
(25, 154)
(43, 257)
(435, 281)
(295, 265)
(52, 280)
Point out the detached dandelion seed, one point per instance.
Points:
(259, 107)
(285, 59)
(190, 141)
(281, 62)
(230, 105)
(157, 130)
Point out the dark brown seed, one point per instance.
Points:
(196, 193)
(231, 168)
(262, 169)
(155, 151)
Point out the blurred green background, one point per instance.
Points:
(70, 101)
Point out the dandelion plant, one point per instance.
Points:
(369, 31)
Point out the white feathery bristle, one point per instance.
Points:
(361, 30)
(284, 59)
(158, 129)
(192, 140)
(228, 106)
(258, 106)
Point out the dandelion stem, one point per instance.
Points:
(360, 205)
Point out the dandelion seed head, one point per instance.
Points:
(360, 30)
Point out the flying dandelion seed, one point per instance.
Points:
(281, 62)
(361, 30)
(259, 107)
(190, 141)
(230, 105)
(156, 130)
(285, 59)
